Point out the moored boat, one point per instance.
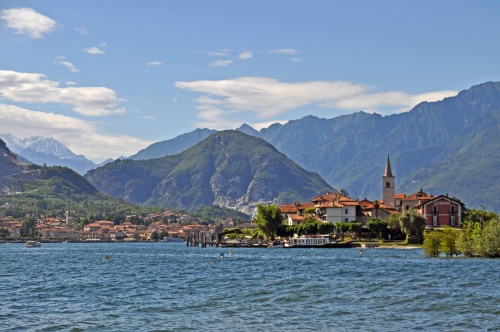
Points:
(308, 241)
(32, 244)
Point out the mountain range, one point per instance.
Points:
(450, 146)
(48, 151)
(229, 169)
(17, 177)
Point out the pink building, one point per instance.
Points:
(441, 211)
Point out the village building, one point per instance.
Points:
(338, 207)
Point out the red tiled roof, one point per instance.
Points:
(419, 195)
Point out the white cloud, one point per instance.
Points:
(82, 30)
(221, 63)
(245, 55)
(268, 98)
(154, 63)
(61, 60)
(284, 51)
(27, 21)
(35, 88)
(295, 60)
(70, 83)
(94, 50)
(148, 117)
(217, 53)
(80, 136)
(214, 118)
(266, 124)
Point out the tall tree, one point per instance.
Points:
(342, 227)
(377, 226)
(449, 241)
(412, 222)
(468, 238)
(268, 219)
(432, 243)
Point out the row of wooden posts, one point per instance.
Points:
(203, 239)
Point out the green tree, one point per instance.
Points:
(342, 227)
(377, 226)
(28, 228)
(412, 222)
(308, 228)
(355, 228)
(449, 241)
(282, 231)
(393, 222)
(4, 233)
(326, 227)
(154, 236)
(268, 219)
(432, 243)
(489, 240)
(468, 237)
(482, 217)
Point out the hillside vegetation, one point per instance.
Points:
(229, 169)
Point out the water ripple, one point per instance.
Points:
(168, 287)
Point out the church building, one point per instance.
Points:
(438, 210)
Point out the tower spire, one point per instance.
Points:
(388, 171)
(388, 185)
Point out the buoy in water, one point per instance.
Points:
(361, 252)
(221, 255)
(231, 251)
(106, 257)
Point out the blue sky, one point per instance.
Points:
(108, 78)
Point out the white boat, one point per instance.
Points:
(32, 244)
(275, 244)
(308, 241)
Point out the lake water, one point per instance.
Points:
(169, 287)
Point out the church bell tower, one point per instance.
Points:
(388, 185)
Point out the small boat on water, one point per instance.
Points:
(33, 244)
(275, 244)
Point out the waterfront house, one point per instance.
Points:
(441, 211)
(336, 207)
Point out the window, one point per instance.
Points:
(434, 209)
(452, 209)
(435, 221)
(346, 220)
(452, 220)
(346, 211)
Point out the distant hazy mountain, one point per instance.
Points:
(17, 178)
(173, 146)
(215, 171)
(48, 151)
